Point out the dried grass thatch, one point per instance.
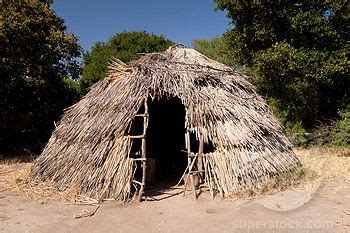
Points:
(90, 150)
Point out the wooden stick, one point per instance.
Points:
(193, 187)
(200, 159)
(195, 155)
(86, 213)
(136, 136)
(187, 141)
(139, 159)
(189, 167)
(137, 182)
(207, 177)
(195, 172)
(188, 146)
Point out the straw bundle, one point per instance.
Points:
(89, 149)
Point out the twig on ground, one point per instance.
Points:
(86, 213)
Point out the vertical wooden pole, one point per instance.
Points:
(189, 161)
(193, 187)
(188, 146)
(200, 154)
(143, 150)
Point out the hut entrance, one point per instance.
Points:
(163, 147)
(165, 141)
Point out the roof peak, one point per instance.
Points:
(175, 46)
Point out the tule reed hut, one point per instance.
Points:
(159, 119)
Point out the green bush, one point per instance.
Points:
(297, 134)
(334, 133)
(341, 134)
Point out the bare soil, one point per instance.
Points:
(321, 203)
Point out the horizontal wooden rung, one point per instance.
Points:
(195, 172)
(140, 159)
(136, 136)
(194, 155)
(137, 182)
(141, 115)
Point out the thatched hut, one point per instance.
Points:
(174, 107)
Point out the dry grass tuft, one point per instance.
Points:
(15, 176)
(326, 163)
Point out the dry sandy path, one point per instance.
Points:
(313, 208)
(326, 209)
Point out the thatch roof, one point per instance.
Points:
(89, 149)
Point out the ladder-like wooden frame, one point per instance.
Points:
(143, 158)
(143, 149)
(191, 160)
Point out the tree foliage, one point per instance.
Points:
(125, 46)
(37, 63)
(215, 48)
(297, 53)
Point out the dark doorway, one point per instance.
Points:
(166, 142)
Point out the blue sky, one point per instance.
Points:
(180, 21)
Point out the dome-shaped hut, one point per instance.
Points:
(179, 109)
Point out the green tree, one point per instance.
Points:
(37, 63)
(297, 53)
(217, 49)
(125, 46)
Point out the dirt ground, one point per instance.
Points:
(320, 204)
